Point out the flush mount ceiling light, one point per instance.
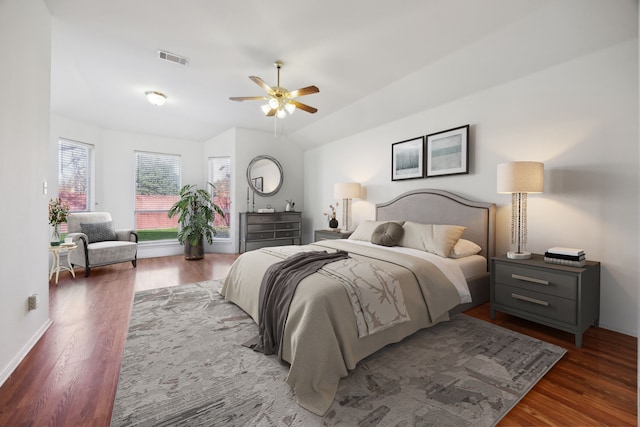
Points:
(155, 98)
(280, 101)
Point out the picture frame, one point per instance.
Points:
(258, 183)
(407, 159)
(447, 152)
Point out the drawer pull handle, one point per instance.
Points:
(530, 279)
(529, 299)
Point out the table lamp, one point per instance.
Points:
(519, 179)
(346, 191)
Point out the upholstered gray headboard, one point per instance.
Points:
(430, 206)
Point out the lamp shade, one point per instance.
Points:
(521, 177)
(346, 190)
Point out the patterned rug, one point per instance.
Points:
(183, 364)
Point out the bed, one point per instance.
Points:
(322, 338)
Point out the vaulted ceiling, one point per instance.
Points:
(374, 60)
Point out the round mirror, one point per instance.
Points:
(264, 175)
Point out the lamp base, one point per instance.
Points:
(518, 255)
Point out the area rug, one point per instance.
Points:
(184, 365)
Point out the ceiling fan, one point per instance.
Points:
(280, 101)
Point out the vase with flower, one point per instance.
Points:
(331, 215)
(58, 211)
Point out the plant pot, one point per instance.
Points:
(193, 253)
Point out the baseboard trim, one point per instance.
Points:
(6, 372)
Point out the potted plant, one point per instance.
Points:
(196, 212)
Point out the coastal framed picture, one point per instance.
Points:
(448, 152)
(407, 159)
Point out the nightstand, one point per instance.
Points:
(331, 234)
(565, 298)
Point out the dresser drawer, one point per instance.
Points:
(261, 219)
(293, 217)
(544, 281)
(253, 228)
(537, 303)
(287, 226)
(259, 236)
(287, 234)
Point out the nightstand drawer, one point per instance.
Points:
(536, 303)
(544, 281)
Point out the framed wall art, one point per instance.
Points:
(407, 159)
(448, 152)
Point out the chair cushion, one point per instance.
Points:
(99, 231)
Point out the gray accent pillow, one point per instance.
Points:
(387, 234)
(99, 231)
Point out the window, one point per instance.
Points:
(220, 177)
(75, 174)
(157, 188)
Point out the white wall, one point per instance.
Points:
(25, 40)
(580, 118)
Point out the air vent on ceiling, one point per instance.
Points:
(172, 57)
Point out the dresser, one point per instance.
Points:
(269, 229)
(566, 298)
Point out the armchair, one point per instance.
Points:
(98, 242)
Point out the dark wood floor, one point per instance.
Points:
(70, 377)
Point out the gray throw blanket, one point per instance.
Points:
(276, 292)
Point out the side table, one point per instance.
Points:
(55, 265)
(330, 235)
(565, 298)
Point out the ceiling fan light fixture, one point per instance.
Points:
(289, 107)
(265, 108)
(281, 114)
(274, 103)
(155, 98)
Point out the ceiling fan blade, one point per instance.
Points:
(271, 113)
(304, 91)
(248, 98)
(262, 84)
(304, 107)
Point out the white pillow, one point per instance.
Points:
(435, 238)
(464, 248)
(366, 228)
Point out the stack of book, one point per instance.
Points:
(566, 256)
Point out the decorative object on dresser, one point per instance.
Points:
(566, 256)
(566, 298)
(268, 229)
(448, 152)
(331, 234)
(346, 191)
(519, 179)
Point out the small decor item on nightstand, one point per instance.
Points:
(570, 257)
(333, 221)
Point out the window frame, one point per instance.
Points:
(210, 174)
(136, 211)
(90, 184)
